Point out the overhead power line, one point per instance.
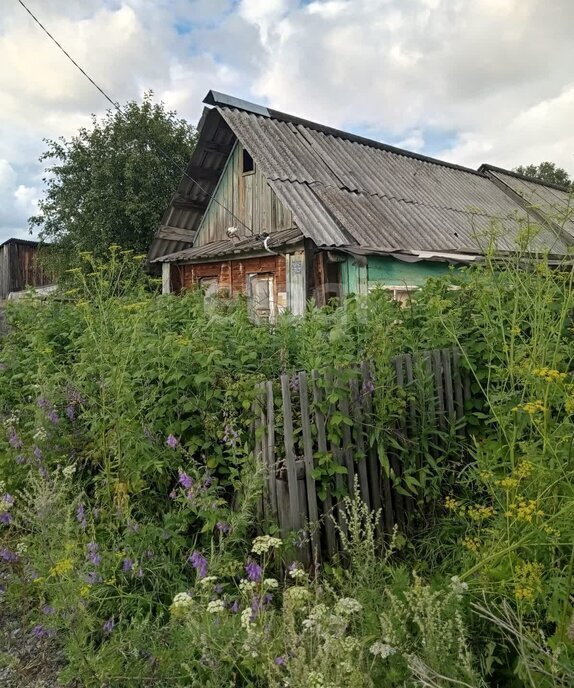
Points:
(117, 107)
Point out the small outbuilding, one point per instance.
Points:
(20, 267)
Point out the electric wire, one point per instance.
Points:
(117, 107)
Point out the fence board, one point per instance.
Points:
(309, 466)
(361, 458)
(435, 393)
(457, 381)
(327, 503)
(270, 434)
(290, 454)
(408, 501)
(373, 466)
(448, 384)
(347, 450)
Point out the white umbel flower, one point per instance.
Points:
(382, 650)
(216, 606)
(348, 605)
(246, 615)
(182, 604)
(264, 543)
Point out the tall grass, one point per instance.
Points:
(129, 489)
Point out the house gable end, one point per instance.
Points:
(244, 200)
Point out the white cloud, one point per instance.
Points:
(17, 201)
(494, 75)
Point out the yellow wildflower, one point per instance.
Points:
(478, 512)
(549, 374)
(523, 470)
(508, 483)
(524, 510)
(515, 330)
(531, 407)
(471, 544)
(523, 592)
(487, 476)
(528, 578)
(451, 504)
(85, 591)
(61, 567)
(551, 532)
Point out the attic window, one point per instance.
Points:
(248, 166)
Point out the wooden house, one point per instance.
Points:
(283, 210)
(20, 268)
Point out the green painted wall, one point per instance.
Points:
(389, 271)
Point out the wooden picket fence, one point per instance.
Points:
(315, 419)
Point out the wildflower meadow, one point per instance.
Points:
(130, 543)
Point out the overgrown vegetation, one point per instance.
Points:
(129, 490)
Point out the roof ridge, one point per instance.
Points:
(524, 177)
(223, 101)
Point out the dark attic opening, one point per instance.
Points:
(248, 165)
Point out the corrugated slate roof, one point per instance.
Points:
(227, 247)
(555, 203)
(345, 190)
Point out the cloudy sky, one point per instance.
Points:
(470, 81)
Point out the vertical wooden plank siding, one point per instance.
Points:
(249, 198)
(166, 278)
(20, 268)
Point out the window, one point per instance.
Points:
(248, 165)
(401, 294)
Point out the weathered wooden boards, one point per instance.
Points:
(317, 436)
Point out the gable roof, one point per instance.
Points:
(555, 203)
(346, 190)
(23, 242)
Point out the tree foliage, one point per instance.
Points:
(546, 172)
(109, 184)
